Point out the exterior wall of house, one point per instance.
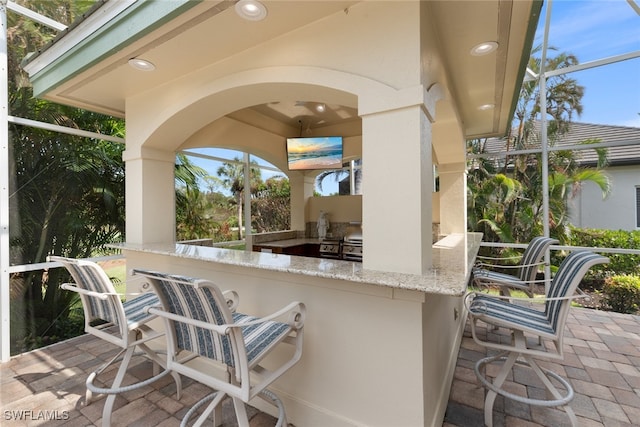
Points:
(617, 211)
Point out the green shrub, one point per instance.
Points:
(621, 239)
(622, 293)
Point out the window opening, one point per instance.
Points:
(637, 207)
(212, 205)
(340, 182)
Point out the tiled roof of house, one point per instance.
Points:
(578, 132)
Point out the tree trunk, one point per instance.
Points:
(239, 202)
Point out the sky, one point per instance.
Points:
(593, 30)
(590, 30)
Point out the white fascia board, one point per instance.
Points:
(88, 26)
(21, 10)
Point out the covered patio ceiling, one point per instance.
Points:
(182, 36)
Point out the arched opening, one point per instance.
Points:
(251, 113)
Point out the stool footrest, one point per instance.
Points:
(568, 397)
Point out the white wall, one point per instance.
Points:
(339, 208)
(617, 211)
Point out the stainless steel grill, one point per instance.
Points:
(352, 250)
(349, 248)
(352, 245)
(331, 249)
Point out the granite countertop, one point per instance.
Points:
(452, 259)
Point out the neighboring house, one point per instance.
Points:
(620, 210)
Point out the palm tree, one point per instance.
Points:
(66, 192)
(339, 174)
(192, 218)
(232, 175)
(505, 197)
(564, 100)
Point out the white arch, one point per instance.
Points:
(202, 105)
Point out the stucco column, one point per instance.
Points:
(150, 195)
(301, 189)
(396, 208)
(453, 198)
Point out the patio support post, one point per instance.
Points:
(150, 195)
(248, 235)
(5, 294)
(302, 187)
(397, 216)
(543, 141)
(453, 197)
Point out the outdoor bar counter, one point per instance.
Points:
(380, 348)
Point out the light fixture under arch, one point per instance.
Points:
(141, 64)
(251, 10)
(484, 48)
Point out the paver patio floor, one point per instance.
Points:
(602, 361)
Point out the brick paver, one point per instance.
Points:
(46, 387)
(602, 362)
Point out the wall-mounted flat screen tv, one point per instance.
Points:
(323, 152)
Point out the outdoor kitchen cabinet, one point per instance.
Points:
(299, 249)
(335, 249)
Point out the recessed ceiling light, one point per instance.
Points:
(486, 107)
(320, 108)
(141, 64)
(484, 48)
(251, 9)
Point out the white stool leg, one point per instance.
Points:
(490, 398)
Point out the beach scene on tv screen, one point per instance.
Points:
(314, 153)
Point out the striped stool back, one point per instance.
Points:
(565, 283)
(532, 256)
(91, 277)
(489, 271)
(180, 295)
